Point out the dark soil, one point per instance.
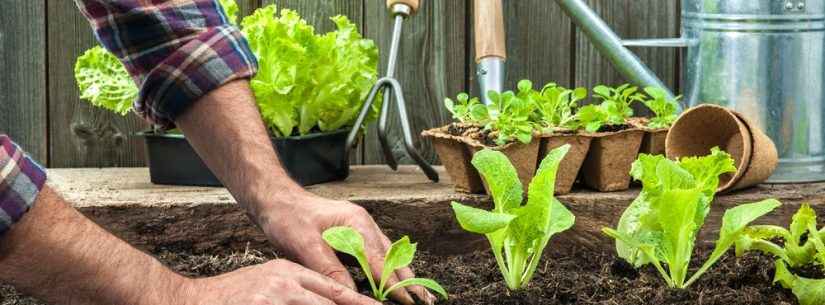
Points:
(484, 136)
(614, 128)
(577, 277)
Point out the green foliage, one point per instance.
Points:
(592, 117)
(616, 102)
(803, 245)
(807, 291)
(466, 109)
(664, 109)
(230, 8)
(509, 115)
(400, 255)
(555, 106)
(306, 80)
(517, 233)
(660, 226)
(104, 82)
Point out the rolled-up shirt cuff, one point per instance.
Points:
(214, 58)
(21, 180)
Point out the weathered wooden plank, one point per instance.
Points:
(630, 19)
(538, 44)
(431, 65)
(81, 135)
(23, 105)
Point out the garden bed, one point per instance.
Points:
(201, 232)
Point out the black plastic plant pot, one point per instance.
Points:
(310, 159)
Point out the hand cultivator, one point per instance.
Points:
(400, 9)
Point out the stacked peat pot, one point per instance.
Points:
(525, 126)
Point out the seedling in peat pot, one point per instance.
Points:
(517, 233)
(400, 255)
(661, 225)
(616, 102)
(510, 117)
(555, 106)
(664, 109)
(467, 110)
(803, 245)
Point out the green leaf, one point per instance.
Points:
(501, 178)
(399, 255)
(104, 82)
(678, 229)
(347, 240)
(230, 8)
(480, 221)
(432, 285)
(807, 291)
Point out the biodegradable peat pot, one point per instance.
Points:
(572, 162)
(706, 126)
(653, 142)
(524, 158)
(310, 159)
(455, 156)
(607, 166)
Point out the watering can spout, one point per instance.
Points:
(613, 48)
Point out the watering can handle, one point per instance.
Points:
(413, 4)
(489, 29)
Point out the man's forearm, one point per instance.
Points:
(226, 130)
(58, 255)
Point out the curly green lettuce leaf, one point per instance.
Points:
(104, 82)
(807, 291)
(307, 81)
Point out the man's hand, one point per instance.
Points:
(295, 227)
(226, 130)
(279, 282)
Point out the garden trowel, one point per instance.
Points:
(391, 88)
(489, 46)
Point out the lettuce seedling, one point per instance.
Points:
(616, 102)
(555, 106)
(803, 245)
(467, 110)
(663, 108)
(401, 253)
(592, 117)
(104, 82)
(517, 233)
(661, 225)
(510, 117)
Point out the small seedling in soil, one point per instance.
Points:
(467, 110)
(803, 246)
(510, 117)
(661, 225)
(616, 102)
(555, 107)
(348, 240)
(517, 233)
(663, 108)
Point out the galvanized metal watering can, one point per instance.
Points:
(763, 58)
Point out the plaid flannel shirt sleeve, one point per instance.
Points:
(177, 50)
(21, 180)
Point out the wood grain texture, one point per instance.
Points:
(81, 135)
(630, 20)
(488, 24)
(538, 44)
(431, 65)
(23, 80)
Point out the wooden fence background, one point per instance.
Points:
(40, 40)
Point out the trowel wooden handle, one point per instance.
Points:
(489, 29)
(413, 4)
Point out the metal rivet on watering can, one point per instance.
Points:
(801, 5)
(789, 5)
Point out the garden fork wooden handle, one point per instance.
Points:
(489, 29)
(413, 4)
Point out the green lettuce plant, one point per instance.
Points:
(803, 245)
(509, 115)
(616, 102)
(661, 225)
(467, 110)
(307, 81)
(104, 82)
(518, 233)
(401, 253)
(663, 108)
(556, 106)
